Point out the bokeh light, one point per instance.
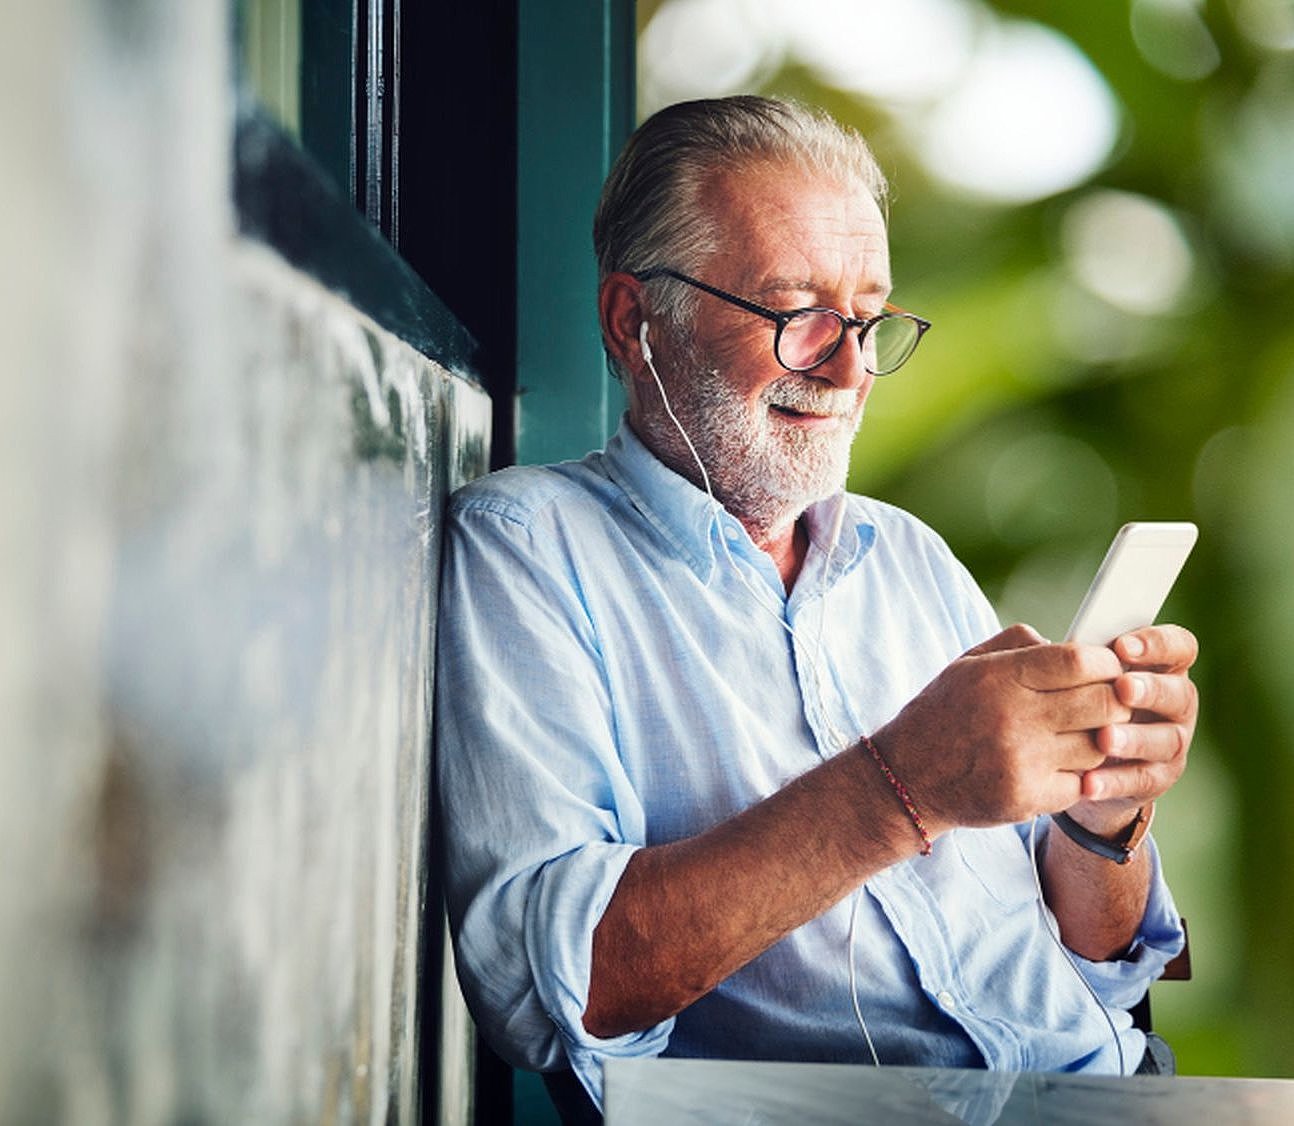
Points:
(905, 53)
(703, 49)
(1032, 117)
(1173, 38)
(1038, 484)
(1129, 250)
(1250, 145)
(1002, 109)
(1267, 23)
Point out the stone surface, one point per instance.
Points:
(220, 499)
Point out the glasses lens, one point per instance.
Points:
(808, 338)
(889, 343)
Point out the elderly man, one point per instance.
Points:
(736, 764)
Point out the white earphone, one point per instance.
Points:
(642, 339)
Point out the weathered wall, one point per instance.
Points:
(220, 491)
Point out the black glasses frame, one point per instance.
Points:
(782, 318)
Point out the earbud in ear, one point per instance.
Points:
(642, 339)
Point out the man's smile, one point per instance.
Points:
(812, 408)
(811, 419)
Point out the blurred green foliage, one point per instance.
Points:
(1038, 417)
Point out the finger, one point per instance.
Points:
(1166, 647)
(1061, 791)
(1149, 742)
(1140, 781)
(1013, 637)
(1051, 668)
(1172, 697)
(1077, 752)
(1050, 790)
(1085, 708)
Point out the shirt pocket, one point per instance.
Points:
(1000, 861)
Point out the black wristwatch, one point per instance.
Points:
(1120, 849)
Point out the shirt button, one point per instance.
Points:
(945, 999)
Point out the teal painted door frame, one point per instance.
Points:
(575, 107)
(576, 63)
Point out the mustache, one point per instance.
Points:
(806, 398)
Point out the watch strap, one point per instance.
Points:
(1120, 849)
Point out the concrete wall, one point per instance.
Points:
(220, 490)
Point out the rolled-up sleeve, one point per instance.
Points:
(538, 815)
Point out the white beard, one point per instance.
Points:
(763, 471)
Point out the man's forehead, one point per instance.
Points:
(766, 198)
(762, 183)
(779, 227)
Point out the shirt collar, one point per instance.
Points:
(669, 502)
(687, 518)
(857, 535)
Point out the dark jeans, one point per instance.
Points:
(1159, 1058)
(571, 1100)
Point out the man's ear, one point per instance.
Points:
(622, 311)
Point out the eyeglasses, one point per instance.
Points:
(807, 338)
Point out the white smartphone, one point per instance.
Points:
(1133, 581)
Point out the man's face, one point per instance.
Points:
(773, 441)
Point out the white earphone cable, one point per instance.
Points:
(812, 657)
(1053, 933)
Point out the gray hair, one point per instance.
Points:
(650, 213)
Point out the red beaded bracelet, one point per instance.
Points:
(902, 791)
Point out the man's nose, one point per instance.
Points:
(847, 366)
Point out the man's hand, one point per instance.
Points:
(1143, 758)
(1007, 730)
(1099, 904)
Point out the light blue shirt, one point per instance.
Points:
(610, 677)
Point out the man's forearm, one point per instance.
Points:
(1098, 904)
(688, 914)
